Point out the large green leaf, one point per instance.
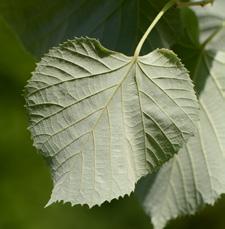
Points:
(105, 119)
(118, 24)
(194, 177)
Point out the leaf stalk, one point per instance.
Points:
(167, 6)
(152, 25)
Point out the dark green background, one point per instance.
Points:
(25, 183)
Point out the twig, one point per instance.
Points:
(199, 3)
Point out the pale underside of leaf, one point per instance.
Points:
(211, 21)
(105, 119)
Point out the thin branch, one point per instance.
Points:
(198, 3)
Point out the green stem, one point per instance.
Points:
(152, 25)
(199, 3)
(160, 14)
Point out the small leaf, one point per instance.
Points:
(211, 19)
(105, 119)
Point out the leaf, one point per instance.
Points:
(118, 24)
(195, 176)
(211, 20)
(105, 119)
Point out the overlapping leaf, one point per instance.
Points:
(105, 119)
(118, 24)
(211, 20)
(195, 176)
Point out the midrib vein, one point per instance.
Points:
(132, 63)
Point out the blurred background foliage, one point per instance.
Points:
(25, 182)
